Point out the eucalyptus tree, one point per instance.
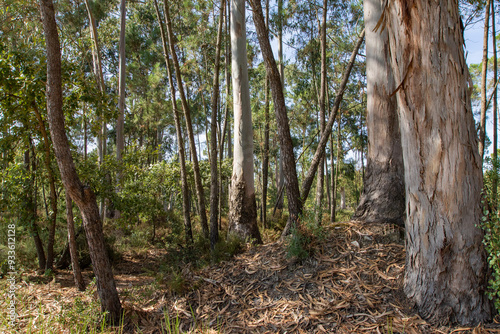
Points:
(178, 130)
(214, 178)
(189, 126)
(120, 140)
(322, 111)
(265, 157)
(383, 198)
(445, 272)
(286, 144)
(82, 195)
(242, 205)
(484, 71)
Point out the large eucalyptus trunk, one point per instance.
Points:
(83, 196)
(242, 206)
(383, 197)
(445, 274)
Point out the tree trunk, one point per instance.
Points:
(53, 194)
(82, 195)
(322, 107)
(242, 206)
(281, 68)
(265, 158)
(187, 114)
(286, 144)
(30, 214)
(178, 130)
(311, 172)
(77, 273)
(214, 178)
(98, 72)
(383, 197)
(333, 217)
(342, 199)
(446, 266)
(484, 70)
(120, 122)
(494, 194)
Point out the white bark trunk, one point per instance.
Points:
(445, 262)
(243, 210)
(383, 198)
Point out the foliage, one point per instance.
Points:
(491, 226)
(305, 237)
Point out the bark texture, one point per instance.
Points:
(286, 144)
(383, 197)
(77, 273)
(445, 273)
(83, 196)
(242, 206)
(265, 157)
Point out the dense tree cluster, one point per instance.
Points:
(142, 111)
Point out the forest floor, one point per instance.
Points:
(352, 283)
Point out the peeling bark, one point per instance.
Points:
(383, 197)
(446, 267)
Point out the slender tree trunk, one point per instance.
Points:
(494, 199)
(336, 178)
(120, 122)
(77, 273)
(383, 197)
(484, 70)
(178, 130)
(265, 158)
(98, 72)
(242, 206)
(281, 68)
(322, 110)
(85, 140)
(53, 194)
(307, 183)
(83, 196)
(30, 214)
(214, 178)
(445, 272)
(286, 144)
(187, 114)
(327, 183)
